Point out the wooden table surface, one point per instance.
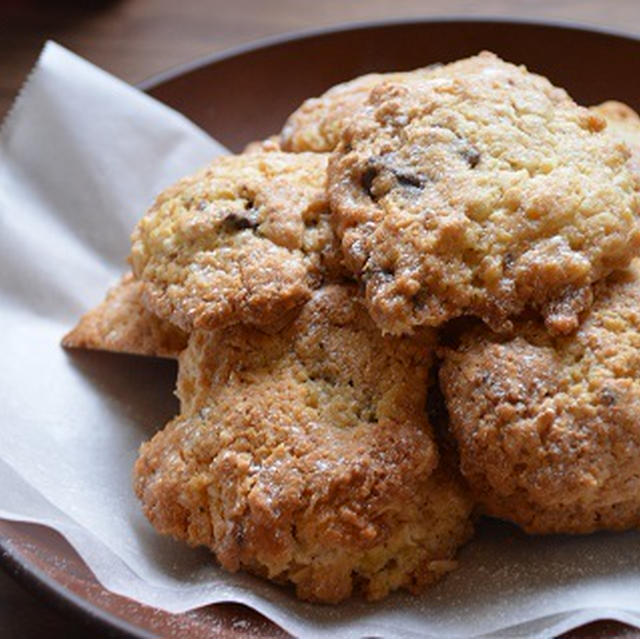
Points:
(135, 39)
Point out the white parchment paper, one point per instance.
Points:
(81, 157)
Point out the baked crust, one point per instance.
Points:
(317, 124)
(245, 240)
(547, 427)
(306, 456)
(121, 323)
(624, 124)
(481, 190)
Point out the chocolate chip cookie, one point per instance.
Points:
(481, 190)
(319, 122)
(548, 427)
(306, 456)
(245, 240)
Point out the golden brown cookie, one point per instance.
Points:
(307, 457)
(548, 428)
(481, 190)
(318, 123)
(245, 240)
(120, 323)
(624, 123)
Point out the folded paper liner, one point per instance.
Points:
(81, 156)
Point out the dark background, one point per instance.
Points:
(134, 39)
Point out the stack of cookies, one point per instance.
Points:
(414, 305)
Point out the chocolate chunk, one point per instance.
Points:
(239, 221)
(471, 155)
(409, 179)
(367, 181)
(608, 397)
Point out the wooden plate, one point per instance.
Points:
(244, 95)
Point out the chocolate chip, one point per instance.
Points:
(471, 155)
(608, 397)
(239, 222)
(312, 217)
(366, 181)
(409, 180)
(378, 274)
(387, 273)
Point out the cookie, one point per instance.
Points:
(548, 428)
(245, 240)
(306, 456)
(318, 123)
(623, 123)
(121, 324)
(482, 190)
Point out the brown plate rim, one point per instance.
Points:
(69, 603)
(172, 73)
(32, 577)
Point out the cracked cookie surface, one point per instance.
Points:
(547, 427)
(306, 456)
(481, 190)
(245, 240)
